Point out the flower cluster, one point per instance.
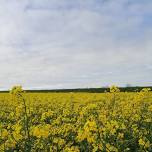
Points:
(75, 122)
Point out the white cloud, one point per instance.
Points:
(64, 44)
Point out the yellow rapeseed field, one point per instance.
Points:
(76, 122)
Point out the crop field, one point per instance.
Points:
(76, 122)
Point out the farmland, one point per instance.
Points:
(71, 122)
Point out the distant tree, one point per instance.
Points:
(128, 85)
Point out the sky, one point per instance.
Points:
(51, 44)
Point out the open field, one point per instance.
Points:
(73, 122)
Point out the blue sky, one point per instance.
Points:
(75, 43)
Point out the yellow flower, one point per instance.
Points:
(10, 143)
(120, 135)
(72, 149)
(148, 120)
(110, 148)
(41, 131)
(4, 134)
(17, 135)
(36, 132)
(114, 89)
(145, 144)
(150, 108)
